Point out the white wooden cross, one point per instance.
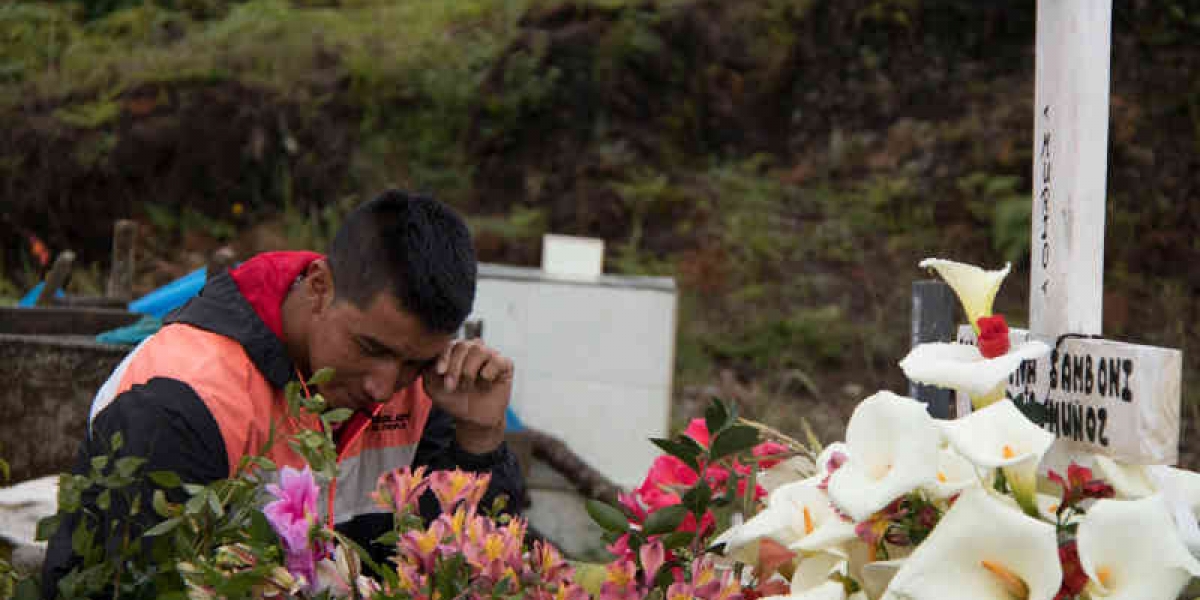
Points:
(1101, 396)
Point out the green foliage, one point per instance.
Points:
(32, 37)
(522, 223)
(996, 199)
(218, 530)
(96, 9)
(808, 338)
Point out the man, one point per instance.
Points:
(381, 310)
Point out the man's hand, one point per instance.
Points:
(473, 383)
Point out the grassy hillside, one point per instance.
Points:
(788, 161)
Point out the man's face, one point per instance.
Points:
(375, 350)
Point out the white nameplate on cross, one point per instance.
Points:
(1100, 397)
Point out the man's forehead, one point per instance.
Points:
(388, 323)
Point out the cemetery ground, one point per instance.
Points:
(787, 162)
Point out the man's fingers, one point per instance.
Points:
(495, 368)
(490, 370)
(454, 366)
(443, 361)
(472, 365)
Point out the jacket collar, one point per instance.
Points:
(221, 308)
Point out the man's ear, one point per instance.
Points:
(318, 280)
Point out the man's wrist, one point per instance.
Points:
(478, 439)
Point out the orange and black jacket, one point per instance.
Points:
(207, 389)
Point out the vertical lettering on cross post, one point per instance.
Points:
(1070, 161)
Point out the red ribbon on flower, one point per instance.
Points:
(993, 336)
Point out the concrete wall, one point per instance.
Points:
(594, 359)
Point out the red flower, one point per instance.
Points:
(1080, 485)
(707, 523)
(769, 449)
(633, 508)
(993, 336)
(697, 430)
(668, 477)
(1074, 579)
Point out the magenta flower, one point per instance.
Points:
(653, 556)
(292, 515)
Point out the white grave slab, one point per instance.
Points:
(594, 359)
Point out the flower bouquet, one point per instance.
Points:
(912, 507)
(907, 507)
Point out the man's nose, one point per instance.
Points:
(382, 379)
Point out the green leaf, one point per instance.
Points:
(716, 416)
(337, 415)
(322, 376)
(193, 488)
(697, 498)
(194, 505)
(260, 527)
(681, 450)
(165, 479)
(607, 516)
(47, 526)
(127, 466)
(27, 589)
(733, 440)
(215, 504)
(161, 507)
(99, 463)
(390, 538)
(161, 528)
(117, 441)
(664, 520)
(104, 500)
(677, 539)
(81, 538)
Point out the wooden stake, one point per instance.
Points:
(220, 260)
(57, 277)
(120, 279)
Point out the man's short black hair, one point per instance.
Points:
(413, 247)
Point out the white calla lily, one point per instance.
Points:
(1129, 482)
(893, 445)
(812, 580)
(954, 474)
(1130, 550)
(815, 571)
(1180, 490)
(830, 590)
(962, 368)
(1000, 436)
(877, 575)
(788, 471)
(798, 515)
(984, 549)
(975, 287)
